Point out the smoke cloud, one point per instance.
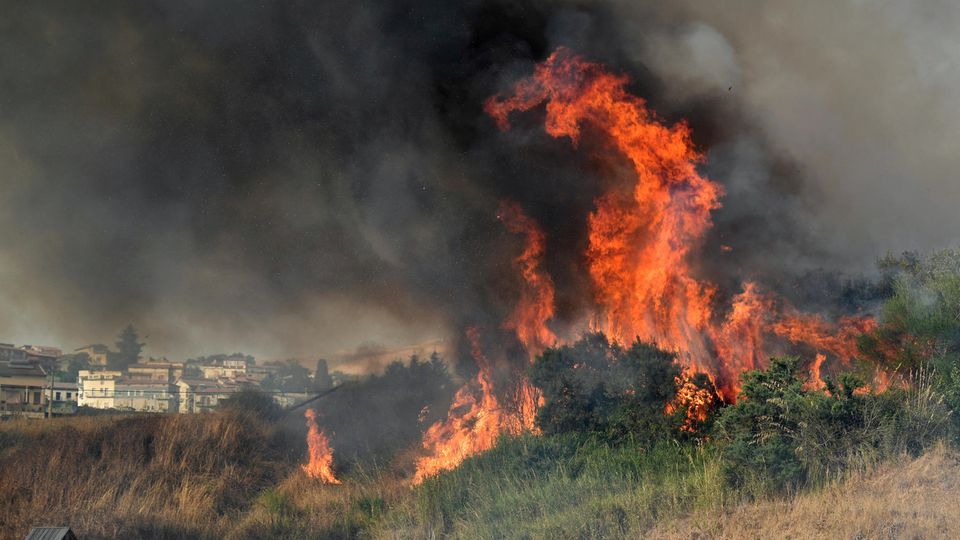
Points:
(296, 178)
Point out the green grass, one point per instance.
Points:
(543, 487)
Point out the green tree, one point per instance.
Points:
(321, 376)
(73, 363)
(761, 430)
(129, 348)
(780, 435)
(290, 376)
(919, 330)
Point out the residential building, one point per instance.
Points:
(201, 395)
(261, 373)
(62, 397)
(99, 354)
(114, 390)
(228, 369)
(21, 389)
(154, 370)
(11, 353)
(97, 389)
(145, 396)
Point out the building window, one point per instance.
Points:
(56, 396)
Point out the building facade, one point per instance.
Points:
(22, 387)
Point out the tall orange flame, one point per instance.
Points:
(320, 456)
(477, 417)
(640, 243)
(474, 422)
(535, 306)
(640, 240)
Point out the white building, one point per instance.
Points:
(62, 397)
(229, 369)
(144, 396)
(202, 395)
(97, 389)
(112, 390)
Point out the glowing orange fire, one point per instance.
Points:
(477, 417)
(641, 239)
(475, 421)
(535, 306)
(320, 455)
(640, 244)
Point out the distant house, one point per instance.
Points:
(144, 396)
(202, 395)
(99, 354)
(114, 390)
(97, 389)
(261, 373)
(11, 353)
(63, 397)
(156, 371)
(229, 369)
(46, 357)
(21, 389)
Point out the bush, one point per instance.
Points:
(780, 435)
(598, 387)
(255, 402)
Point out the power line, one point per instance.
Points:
(115, 393)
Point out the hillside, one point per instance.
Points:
(231, 474)
(909, 499)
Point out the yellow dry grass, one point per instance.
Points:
(908, 499)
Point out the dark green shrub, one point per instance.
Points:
(780, 435)
(253, 401)
(594, 386)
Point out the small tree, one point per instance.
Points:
(128, 348)
(761, 430)
(321, 376)
(75, 363)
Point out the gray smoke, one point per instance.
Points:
(294, 178)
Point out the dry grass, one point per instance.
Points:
(232, 475)
(301, 507)
(910, 499)
(169, 476)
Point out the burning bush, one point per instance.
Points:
(782, 433)
(383, 414)
(599, 387)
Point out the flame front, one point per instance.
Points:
(320, 455)
(535, 306)
(641, 240)
(640, 243)
(474, 422)
(477, 417)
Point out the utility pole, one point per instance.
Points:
(50, 397)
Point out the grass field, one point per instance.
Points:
(233, 475)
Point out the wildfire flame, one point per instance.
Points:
(474, 422)
(639, 250)
(535, 306)
(641, 240)
(477, 417)
(320, 455)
